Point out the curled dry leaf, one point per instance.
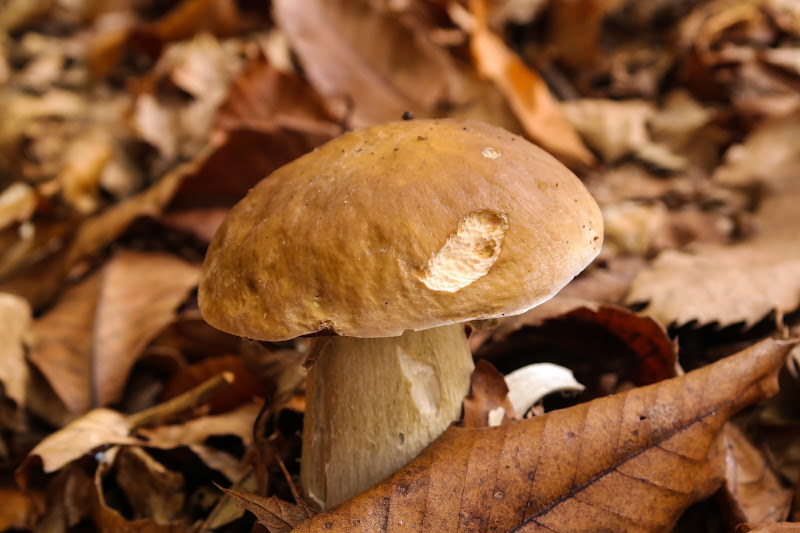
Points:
(631, 461)
(152, 489)
(109, 519)
(623, 344)
(87, 344)
(15, 325)
(96, 428)
(752, 491)
(488, 395)
(276, 515)
(525, 91)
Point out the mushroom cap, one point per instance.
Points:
(406, 225)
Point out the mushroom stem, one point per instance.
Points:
(373, 404)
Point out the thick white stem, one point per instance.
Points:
(373, 404)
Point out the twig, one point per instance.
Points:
(192, 398)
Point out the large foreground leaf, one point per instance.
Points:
(628, 462)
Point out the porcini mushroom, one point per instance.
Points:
(387, 239)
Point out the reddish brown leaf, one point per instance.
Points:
(488, 392)
(273, 513)
(752, 491)
(631, 461)
(526, 93)
(268, 119)
(379, 62)
(623, 344)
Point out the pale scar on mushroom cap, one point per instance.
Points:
(407, 225)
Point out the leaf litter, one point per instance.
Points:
(130, 128)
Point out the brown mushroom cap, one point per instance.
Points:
(407, 225)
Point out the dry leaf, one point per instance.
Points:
(752, 491)
(377, 61)
(488, 394)
(153, 490)
(525, 91)
(624, 345)
(632, 461)
(96, 428)
(15, 326)
(722, 285)
(87, 344)
(140, 294)
(744, 282)
(109, 519)
(62, 344)
(273, 513)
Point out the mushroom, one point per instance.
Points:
(383, 242)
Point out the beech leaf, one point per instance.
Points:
(276, 515)
(632, 461)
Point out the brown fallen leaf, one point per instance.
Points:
(631, 461)
(276, 515)
(378, 61)
(153, 490)
(626, 346)
(769, 527)
(87, 344)
(752, 491)
(109, 519)
(722, 284)
(268, 118)
(140, 294)
(488, 392)
(743, 282)
(526, 92)
(15, 325)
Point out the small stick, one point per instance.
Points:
(192, 398)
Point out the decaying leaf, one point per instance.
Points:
(488, 398)
(631, 461)
(752, 491)
(97, 428)
(525, 91)
(722, 285)
(15, 325)
(351, 52)
(273, 513)
(87, 344)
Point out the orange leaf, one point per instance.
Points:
(526, 93)
(631, 461)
